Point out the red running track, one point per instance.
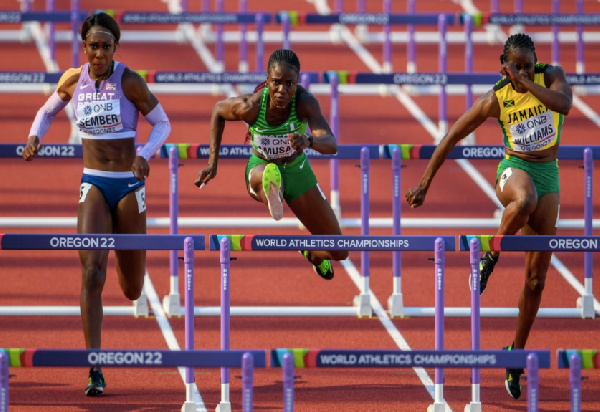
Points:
(49, 188)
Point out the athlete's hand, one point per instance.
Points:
(298, 141)
(205, 175)
(140, 168)
(415, 196)
(33, 147)
(509, 69)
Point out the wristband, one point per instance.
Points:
(310, 140)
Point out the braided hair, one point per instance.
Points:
(278, 56)
(517, 41)
(284, 56)
(102, 19)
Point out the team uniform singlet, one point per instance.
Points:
(526, 123)
(105, 112)
(528, 126)
(272, 142)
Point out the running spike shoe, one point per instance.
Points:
(323, 269)
(272, 185)
(513, 380)
(486, 266)
(96, 383)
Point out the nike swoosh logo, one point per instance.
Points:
(302, 165)
(132, 184)
(83, 86)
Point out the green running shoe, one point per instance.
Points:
(486, 266)
(323, 269)
(96, 383)
(272, 186)
(513, 380)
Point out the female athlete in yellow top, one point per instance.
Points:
(530, 103)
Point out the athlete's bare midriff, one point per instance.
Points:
(540, 156)
(109, 155)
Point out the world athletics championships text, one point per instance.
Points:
(405, 360)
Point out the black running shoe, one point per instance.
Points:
(486, 266)
(323, 269)
(513, 380)
(96, 383)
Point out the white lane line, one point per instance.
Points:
(389, 326)
(167, 332)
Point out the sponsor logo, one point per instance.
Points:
(520, 128)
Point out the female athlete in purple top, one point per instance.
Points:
(107, 99)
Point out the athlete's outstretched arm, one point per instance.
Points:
(232, 109)
(486, 106)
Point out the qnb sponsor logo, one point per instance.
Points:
(483, 152)
(125, 358)
(73, 242)
(574, 244)
(51, 151)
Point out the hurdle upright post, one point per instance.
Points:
(586, 301)
(188, 259)
(443, 65)
(285, 24)
(247, 382)
(555, 30)
(439, 404)
(580, 68)
(532, 382)
(469, 69)
(363, 300)
(75, 45)
(475, 257)
(575, 380)
(334, 121)
(4, 376)
(51, 31)
(387, 44)
(243, 66)
(259, 21)
(288, 382)
(395, 304)
(219, 46)
(411, 64)
(225, 404)
(171, 303)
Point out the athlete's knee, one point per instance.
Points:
(94, 277)
(536, 284)
(525, 205)
(132, 291)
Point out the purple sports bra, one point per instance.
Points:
(104, 113)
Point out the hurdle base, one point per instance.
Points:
(473, 407)
(586, 304)
(362, 303)
(188, 406)
(172, 306)
(396, 306)
(223, 407)
(140, 307)
(437, 407)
